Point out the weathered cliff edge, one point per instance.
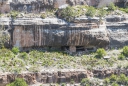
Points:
(62, 76)
(54, 32)
(117, 29)
(37, 6)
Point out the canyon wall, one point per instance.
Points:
(37, 32)
(54, 32)
(118, 31)
(60, 34)
(60, 76)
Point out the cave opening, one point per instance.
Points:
(64, 47)
(80, 48)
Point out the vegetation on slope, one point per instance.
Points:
(100, 53)
(33, 61)
(124, 54)
(113, 80)
(14, 14)
(4, 36)
(15, 61)
(18, 82)
(69, 13)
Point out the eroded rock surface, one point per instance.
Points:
(118, 31)
(83, 31)
(37, 6)
(29, 32)
(60, 76)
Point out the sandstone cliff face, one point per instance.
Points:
(78, 2)
(4, 6)
(99, 3)
(56, 32)
(118, 31)
(30, 32)
(37, 32)
(60, 76)
(106, 2)
(46, 77)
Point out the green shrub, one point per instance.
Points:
(111, 7)
(102, 12)
(122, 79)
(67, 13)
(63, 84)
(18, 82)
(106, 81)
(43, 16)
(72, 81)
(4, 37)
(0, 14)
(70, 13)
(14, 14)
(15, 50)
(121, 57)
(124, 10)
(100, 53)
(23, 55)
(6, 53)
(91, 12)
(114, 84)
(85, 82)
(113, 78)
(125, 51)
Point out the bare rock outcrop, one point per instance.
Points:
(4, 6)
(77, 2)
(117, 28)
(60, 76)
(30, 32)
(103, 73)
(38, 6)
(82, 31)
(59, 33)
(45, 77)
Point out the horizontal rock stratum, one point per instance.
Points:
(37, 32)
(38, 6)
(63, 76)
(54, 32)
